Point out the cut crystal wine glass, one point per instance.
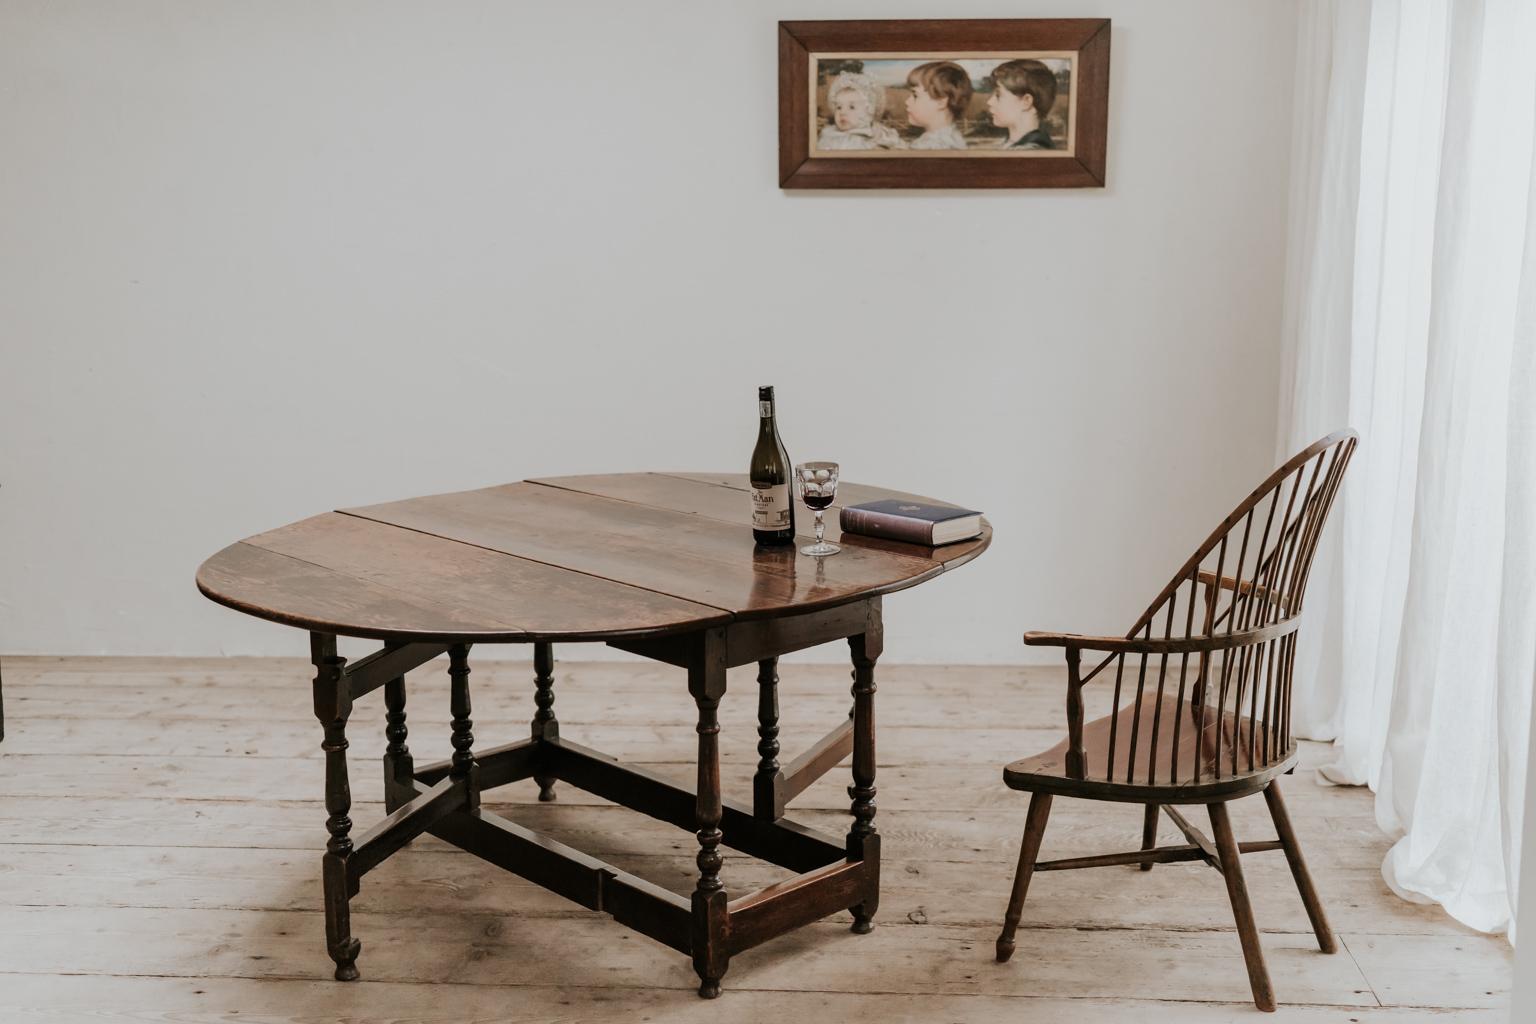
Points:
(818, 488)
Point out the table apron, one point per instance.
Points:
(754, 640)
(368, 674)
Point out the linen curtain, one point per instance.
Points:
(1411, 315)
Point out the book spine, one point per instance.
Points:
(881, 524)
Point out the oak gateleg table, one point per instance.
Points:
(661, 565)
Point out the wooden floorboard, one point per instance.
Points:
(160, 831)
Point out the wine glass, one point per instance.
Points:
(818, 486)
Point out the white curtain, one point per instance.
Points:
(1411, 315)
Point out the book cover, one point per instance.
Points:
(914, 522)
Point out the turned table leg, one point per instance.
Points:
(462, 765)
(333, 703)
(544, 725)
(399, 767)
(706, 682)
(766, 782)
(863, 841)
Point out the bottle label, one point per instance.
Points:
(770, 507)
(764, 409)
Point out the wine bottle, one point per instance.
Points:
(773, 513)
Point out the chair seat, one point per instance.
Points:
(1166, 773)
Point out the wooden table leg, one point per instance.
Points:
(706, 682)
(765, 784)
(463, 728)
(333, 703)
(399, 766)
(863, 841)
(544, 725)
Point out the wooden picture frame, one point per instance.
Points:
(881, 151)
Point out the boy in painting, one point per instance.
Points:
(941, 90)
(855, 100)
(1023, 92)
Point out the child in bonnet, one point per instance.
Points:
(856, 100)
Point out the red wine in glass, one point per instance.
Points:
(818, 501)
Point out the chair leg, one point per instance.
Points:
(1237, 892)
(1149, 832)
(1299, 868)
(1029, 850)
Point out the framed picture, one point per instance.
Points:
(943, 104)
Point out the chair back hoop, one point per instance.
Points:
(1227, 621)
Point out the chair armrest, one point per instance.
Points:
(1172, 645)
(1036, 638)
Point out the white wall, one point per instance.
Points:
(258, 260)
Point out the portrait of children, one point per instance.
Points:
(938, 105)
(854, 102)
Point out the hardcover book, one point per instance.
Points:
(911, 521)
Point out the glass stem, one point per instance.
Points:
(821, 528)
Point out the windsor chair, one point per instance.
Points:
(1217, 729)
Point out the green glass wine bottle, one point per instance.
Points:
(773, 508)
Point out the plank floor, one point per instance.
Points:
(162, 823)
